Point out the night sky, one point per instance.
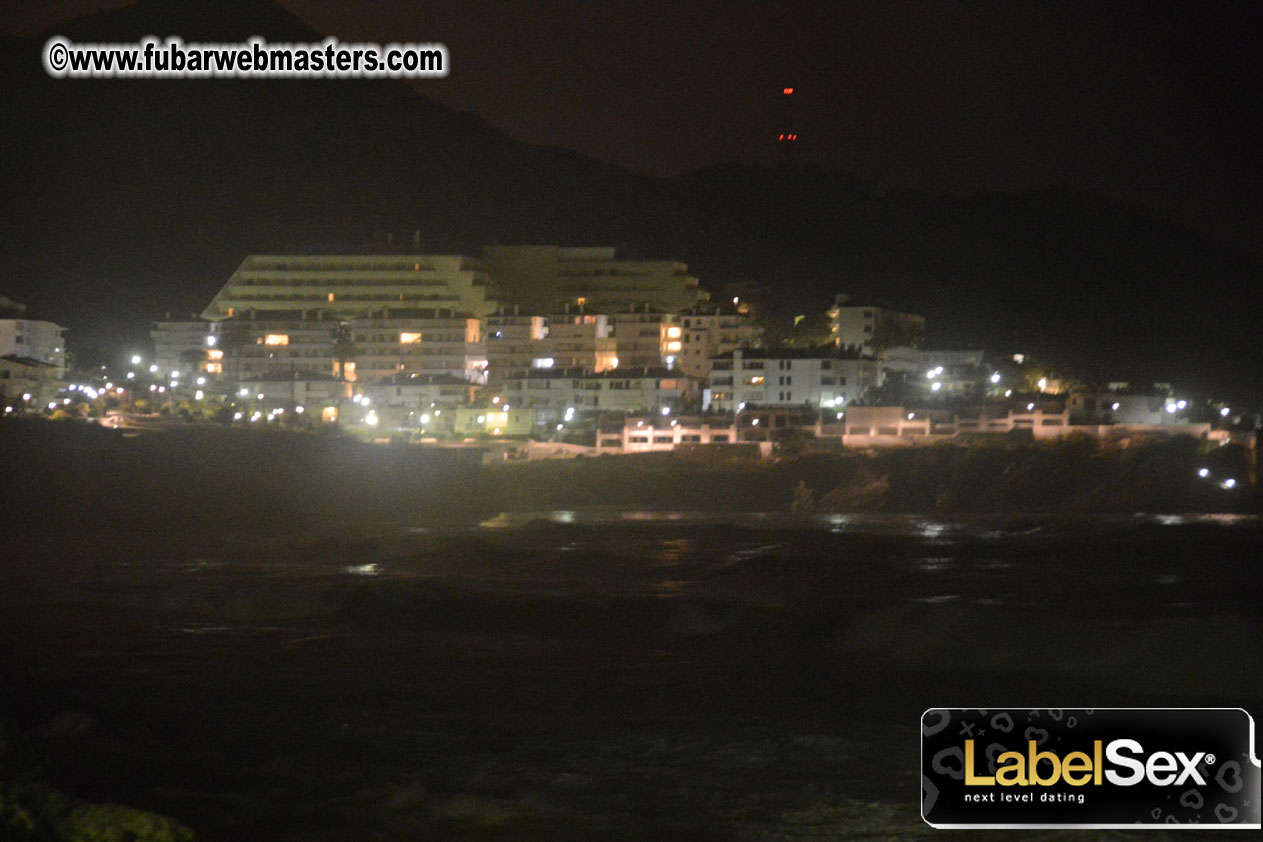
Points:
(1151, 103)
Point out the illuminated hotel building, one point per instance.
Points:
(278, 315)
(345, 287)
(381, 315)
(396, 342)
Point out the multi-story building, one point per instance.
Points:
(708, 331)
(394, 342)
(315, 395)
(344, 287)
(554, 391)
(25, 383)
(871, 329)
(420, 393)
(283, 346)
(419, 342)
(827, 379)
(183, 346)
(541, 278)
(579, 338)
(369, 317)
(1126, 406)
(641, 336)
(515, 344)
(930, 373)
(360, 317)
(31, 339)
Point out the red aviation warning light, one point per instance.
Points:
(786, 134)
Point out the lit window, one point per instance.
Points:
(409, 338)
(215, 354)
(673, 333)
(673, 347)
(276, 339)
(214, 368)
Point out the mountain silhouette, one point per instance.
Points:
(125, 200)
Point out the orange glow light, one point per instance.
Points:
(788, 91)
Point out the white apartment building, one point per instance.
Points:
(343, 287)
(871, 329)
(21, 377)
(541, 278)
(554, 391)
(787, 378)
(420, 393)
(31, 339)
(708, 331)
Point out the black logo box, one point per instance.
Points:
(1224, 738)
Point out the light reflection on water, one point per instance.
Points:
(842, 557)
(706, 608)
(931, 531)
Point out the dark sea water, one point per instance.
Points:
(599, 675)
